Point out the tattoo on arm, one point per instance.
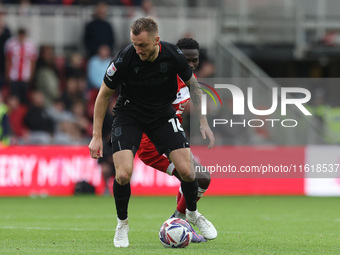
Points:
(196, 95)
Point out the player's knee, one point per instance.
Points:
(203, 180)
(183, 165)
(123, 178)
(187, 175)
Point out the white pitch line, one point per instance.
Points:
(87, 217)
(71, 229)
(47, 228)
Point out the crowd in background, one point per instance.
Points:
(73, 2)
(49, 99)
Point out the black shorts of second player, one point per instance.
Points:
(166, 134)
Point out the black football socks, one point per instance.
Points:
(122, 195)
(190, 190)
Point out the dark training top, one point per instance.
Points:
(147, 88)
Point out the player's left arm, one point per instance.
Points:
(196, 97)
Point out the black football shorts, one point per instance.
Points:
(166, 134)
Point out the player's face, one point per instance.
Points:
(192, 56)
(145, 45)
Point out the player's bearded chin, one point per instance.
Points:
(149, 55)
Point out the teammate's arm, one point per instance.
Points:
(100, 108)
(196, 97)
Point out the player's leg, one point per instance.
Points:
(125, 141)
(189, 185)
(149, 155)
(203, 179)
(182, 161)
(123, 161)
(170, 138)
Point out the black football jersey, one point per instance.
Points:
(147, 88)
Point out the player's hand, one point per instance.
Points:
(206, 132)
(96, 147)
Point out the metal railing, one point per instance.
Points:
(300, 23)
(233, 64)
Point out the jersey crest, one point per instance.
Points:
(164, 67)
(118, 131)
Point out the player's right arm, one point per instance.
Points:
(100, 108)
(110, 82)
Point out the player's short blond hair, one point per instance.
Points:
(147, 24)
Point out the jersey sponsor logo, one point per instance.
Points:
(111, 70)
(136, 68)
(147, 82)
(164, 67)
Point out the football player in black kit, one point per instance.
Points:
(146, 72)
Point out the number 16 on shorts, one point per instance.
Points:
(176, 125)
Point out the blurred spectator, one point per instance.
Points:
(93, 2)
(37, 120)
(46, 77)
(65, 124)
(331, 38)
(54, 2)
(131, 2)
(5, 34)
(16, 113)
(98, 32)
(106, 162)
(96, 65)
(25, 8)
(84, 2)
(21, 58)
(146, 9)
(72, 93)
(4, 123)
(68, 2)
(143, 9)
(9, 1)
(206, 68)
(58, 113)
(91, 100)
(75, 66)
(84, 124)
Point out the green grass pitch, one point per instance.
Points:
(245, 225)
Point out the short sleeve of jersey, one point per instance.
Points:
(115, 71)
(183, 69)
